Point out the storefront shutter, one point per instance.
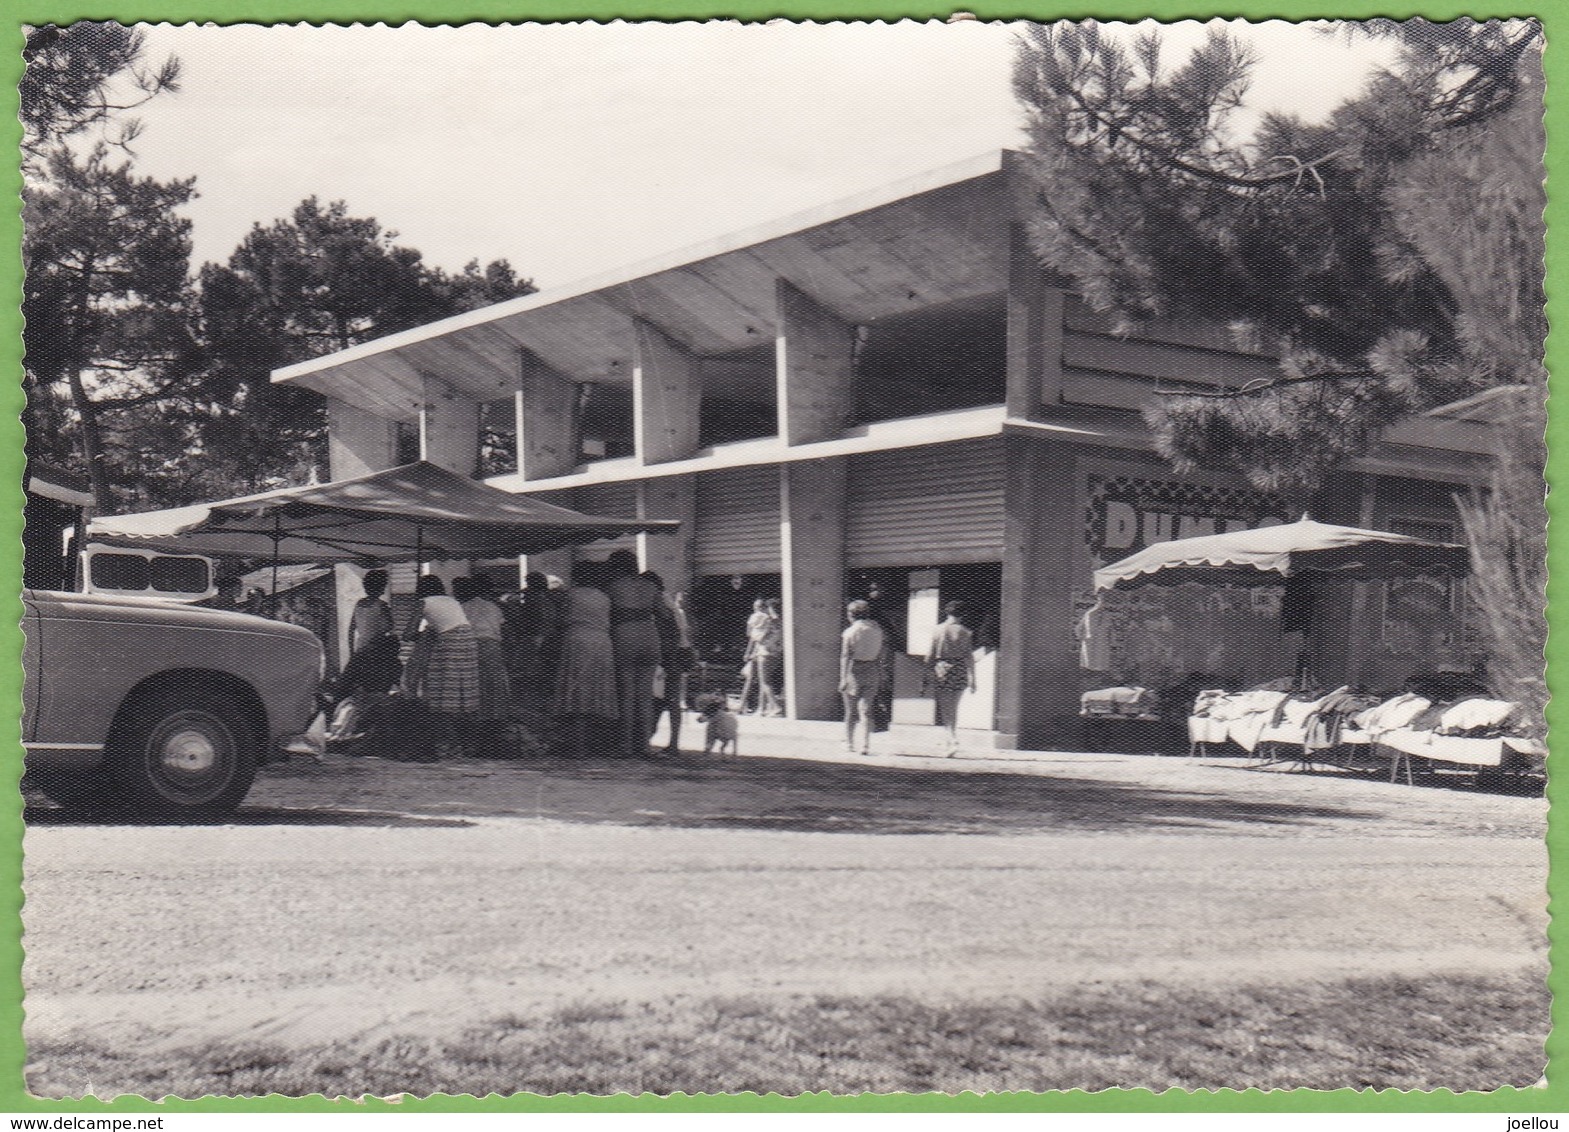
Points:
(737, 528)
(614, 500)
(925, 506)
(401, 577)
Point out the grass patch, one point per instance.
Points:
(1457, 1032)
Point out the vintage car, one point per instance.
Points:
(155, 706)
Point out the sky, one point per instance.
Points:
(575, 149)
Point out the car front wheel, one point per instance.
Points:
(185, 750)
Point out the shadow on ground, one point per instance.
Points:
(772, 794)
(41, 812)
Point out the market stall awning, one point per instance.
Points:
(1271, 555)
(417, 512)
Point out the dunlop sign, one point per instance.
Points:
(1124, 514)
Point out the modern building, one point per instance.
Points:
(891, 393)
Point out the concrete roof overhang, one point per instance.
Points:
(936, 238)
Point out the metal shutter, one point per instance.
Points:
(612, 500)
(737, 528)
(401, 577)
(937, 504)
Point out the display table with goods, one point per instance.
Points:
(1129, 720)
(1456, 726)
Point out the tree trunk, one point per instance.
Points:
(92, 443)
(86, 410)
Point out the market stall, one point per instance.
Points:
(1443, 718)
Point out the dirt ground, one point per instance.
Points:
(361, 898)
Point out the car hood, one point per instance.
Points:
(155, 610)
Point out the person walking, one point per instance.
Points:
(751, 670)
(860, 673)
(677, 658)
(584, 693)
(634, 632)
(951, 669)
(893, 642)
(443, 671)
(769, 654)
(476, 596)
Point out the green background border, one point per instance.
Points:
(1554, 14)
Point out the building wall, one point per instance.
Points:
(1032, 509)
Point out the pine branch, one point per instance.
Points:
(1119, 132)
(1270, 384)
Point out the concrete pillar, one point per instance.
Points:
(667, 396)
(1038, 663)
(668, 555)
(1035, 314)
(548, 563)
(449, 428)
(1362, 631)
(815, 359)
(547, 420)
(812, 506)
(358, 443)
(1341, 613)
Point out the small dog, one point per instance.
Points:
(723, 728)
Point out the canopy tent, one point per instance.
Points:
(1271, 556)
(415, 513)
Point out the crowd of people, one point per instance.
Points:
(608, 652)
(603, 657)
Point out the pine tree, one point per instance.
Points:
(106, 302)
(1330, 246)
(1391, 257)
(319, 281)
(83, 75)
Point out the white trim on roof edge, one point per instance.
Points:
(991, 162)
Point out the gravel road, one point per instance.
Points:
(362, 897)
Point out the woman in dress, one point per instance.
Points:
(444, 669)
(751, 667)
(677, 658)
(635, 605)
(860, 672)
(769, 654)
(530, 625)
(950, 669)
(585, 669)
(475, 594)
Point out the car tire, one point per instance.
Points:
(184, 750)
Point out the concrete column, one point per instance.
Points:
(358, 443)
(449, 438)
(1362, 632)
(1038, 663)
(667, 396)
(668, 555)
(1335, 643)
(548, 562)
(812, 546)
(815, 359)
(1035, 314)
(547, 420)
(449, 428)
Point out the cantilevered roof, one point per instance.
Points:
(932, 239)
